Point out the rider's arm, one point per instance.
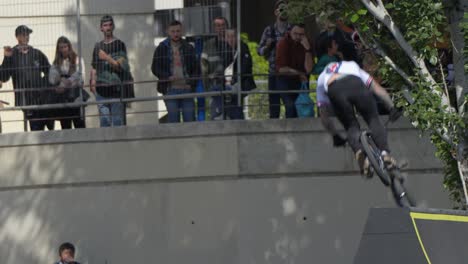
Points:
(325, 116)
(325, 107)
(375, 88)
(382, 94)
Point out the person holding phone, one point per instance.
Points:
(272, 34)
(294, 62)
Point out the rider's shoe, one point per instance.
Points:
(364, 165)
(389, 161)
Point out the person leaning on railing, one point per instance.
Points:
(213, 65)
(177, 68)
(29, 69)
(294, 61)
(328, 48)
(111, 77)
(232, 109)
(66, 76)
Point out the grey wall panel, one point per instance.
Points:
(286, 220)
(218, 192)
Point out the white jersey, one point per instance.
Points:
(344, 68)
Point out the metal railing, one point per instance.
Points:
(246, 107)
(52, 18)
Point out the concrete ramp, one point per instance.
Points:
(414, 236)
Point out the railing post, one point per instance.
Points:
(123, 105)
(80, 63)
(239, 55)
(23, 103)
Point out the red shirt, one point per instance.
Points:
(290, 53)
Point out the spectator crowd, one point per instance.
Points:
(181, 68)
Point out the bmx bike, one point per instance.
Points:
(389, 175)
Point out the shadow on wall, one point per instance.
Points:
(24, 215)
(111, 227)
(102, 221)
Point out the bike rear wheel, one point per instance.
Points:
(375, 159)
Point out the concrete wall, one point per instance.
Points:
(217, 192)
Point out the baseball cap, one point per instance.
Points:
(22, 29)
(107, 18)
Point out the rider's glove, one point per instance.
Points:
(395, 113)
(338, 141)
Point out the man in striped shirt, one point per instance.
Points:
(267, 48)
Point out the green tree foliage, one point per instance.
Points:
(424, 25)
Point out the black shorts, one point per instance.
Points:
(349, 93)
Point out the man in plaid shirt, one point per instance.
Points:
(267, 48)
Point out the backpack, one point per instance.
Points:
(304, 104)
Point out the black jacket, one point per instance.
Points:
(28, 71)
(248, 82)
(162, 64)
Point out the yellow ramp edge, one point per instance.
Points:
(434, 217)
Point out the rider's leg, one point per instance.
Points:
(345, 113)
(339, 93)
(367, 107)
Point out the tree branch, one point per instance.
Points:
(378, 49)
(443, 76)
(381, 13)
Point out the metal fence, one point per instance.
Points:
(142, 29)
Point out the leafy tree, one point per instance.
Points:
(408, 35)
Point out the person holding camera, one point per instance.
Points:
(67, 254)
(28, 67)
(267, 48)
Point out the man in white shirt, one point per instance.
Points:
(343, 87)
